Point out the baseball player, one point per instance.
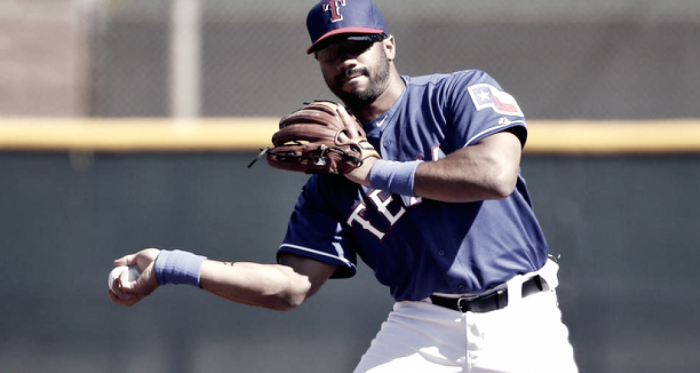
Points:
(441, 215)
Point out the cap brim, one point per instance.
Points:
(341, 31)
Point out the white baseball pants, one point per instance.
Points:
(527, 336)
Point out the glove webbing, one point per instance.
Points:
(317, 160)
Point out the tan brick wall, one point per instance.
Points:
(44, 58)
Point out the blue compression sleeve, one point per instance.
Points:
(394, 177)
(178, 267)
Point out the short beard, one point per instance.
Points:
(378, 83)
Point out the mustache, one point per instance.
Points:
(355, 71)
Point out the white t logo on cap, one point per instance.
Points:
(334, 7)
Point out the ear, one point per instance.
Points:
(389, 45)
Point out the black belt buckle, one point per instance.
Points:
(491, 302)
(467, 304)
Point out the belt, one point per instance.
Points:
(490, 302)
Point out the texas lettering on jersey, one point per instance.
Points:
(390, 208)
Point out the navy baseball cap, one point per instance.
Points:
(336, 17)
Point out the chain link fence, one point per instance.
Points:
(562, 59)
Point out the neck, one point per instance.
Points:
(370, 112)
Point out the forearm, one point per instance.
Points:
(488, 170)
(471, 176)
(272, 286)
(280, 287)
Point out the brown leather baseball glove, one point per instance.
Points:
(314, 139)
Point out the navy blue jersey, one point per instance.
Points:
(418, 246)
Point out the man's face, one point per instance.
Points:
(356, 71)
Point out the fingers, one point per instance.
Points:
(126, 260)
(123, 299)
(120, 291)
(350, 122)
(127, 293)
(122, 279)
(144, 285)
(141, 259)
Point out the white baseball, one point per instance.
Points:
(134, 273)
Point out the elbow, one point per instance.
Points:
(503, 184)
(281, 302)
(288, 302)
(502, 192)
(290, 296)
(503, 166)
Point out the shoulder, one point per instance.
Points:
(463, 77)
(448, 87)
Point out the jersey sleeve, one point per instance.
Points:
(480, 107)
(314, 230)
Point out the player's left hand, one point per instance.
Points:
(320, 138)
(359, 175)
(129, 293)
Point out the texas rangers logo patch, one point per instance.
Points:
(334, 7)
(488, 96)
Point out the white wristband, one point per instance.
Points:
(394, 177)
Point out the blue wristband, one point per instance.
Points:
(178, 267)
(394, 177)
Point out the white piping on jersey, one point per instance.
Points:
(347, 262)
(504, 122)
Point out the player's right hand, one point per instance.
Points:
(130, 293)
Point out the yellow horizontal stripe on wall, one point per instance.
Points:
(251, 134)
(127, 135)
(610, 137)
